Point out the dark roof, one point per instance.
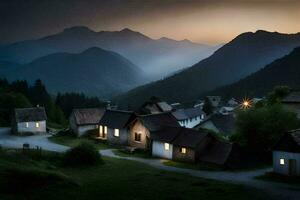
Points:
(293, 97)
(154, 122)
(30, 114)
(167, 134)
(289, 142)
(115, 118)
(217, 152)
(88, 116)
(190, 137)
(224, 123)
(183, 114)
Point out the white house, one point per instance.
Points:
(29, 120)
(189, 117)
(286, 154)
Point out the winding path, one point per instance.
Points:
(278, 190)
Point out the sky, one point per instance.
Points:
(202, 21)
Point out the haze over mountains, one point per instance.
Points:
(246, 54)
(156, 58)
(94, 71)
(284, 71)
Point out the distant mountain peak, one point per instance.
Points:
(78, 29)
(94, 50)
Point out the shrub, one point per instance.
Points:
(83, 154)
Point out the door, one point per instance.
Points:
(292, 167)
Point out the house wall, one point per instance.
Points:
(81, 130)
(189, 156)
(21, 127)
(158, 150)
(190, 123)
(145, 135)
(122, 140)
(284, 169)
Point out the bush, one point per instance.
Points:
(82, 155)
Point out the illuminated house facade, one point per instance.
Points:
(29, 121)
(286, 154)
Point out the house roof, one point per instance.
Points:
(183, 114)
(293, 97)
(115, 118)
(155, 105)
(154, 122)
(88, 116)
(190, 137)
(167, 134)
(216, 152)
(224, 123)
(289, 142)
(30, 114)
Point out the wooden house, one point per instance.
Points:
(84, 120)
(286, 154)
(29, 120)
(113, 127)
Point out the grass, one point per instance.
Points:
(195, 166)
(72, 141)
(116, 179)
(273, 177)
(136, 153)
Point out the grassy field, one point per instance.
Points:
(43, 177)
(72, 141)
(273, 177)
(137, 153)
(196, 166)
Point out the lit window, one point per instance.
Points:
(105, 129)
(183, 150)
(27, 124)
(138, 137)
(37, 125)
(281, 161)
(167, 146)
(100, 129)
(116, 133)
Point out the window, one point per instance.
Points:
(37, 125)
(183, 150)
(105, 129)
(27, 124)
(137, 137)
(167, 146)
(116, 132)
(281, 161)
(101, 129)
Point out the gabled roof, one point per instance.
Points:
(115, 118)
(190, 137)
(216, 152)
(88, 116)
(167, 134)
(154, 122)
(289, 142)
(293, 97)
(30, 114)
(183, 114)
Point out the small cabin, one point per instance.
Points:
(113, 127)
(189, 117)
(29, 121)
(85, 120)
(286, 154)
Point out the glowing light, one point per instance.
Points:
(246, 104)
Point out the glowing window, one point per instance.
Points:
(183, 150)
(37, 125)
(27, 124)
(105, 129)
(116, 133)
(100, 129)
(167, 146)
(281, 161)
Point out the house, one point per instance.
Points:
(113, 127)
(292, 102)
(154, 106)
(142, 126)
(226, 110)
(85, 120)
(214, 100)
(286, 154)
(232, 102)
(189, 117)
(218, 123)
(189, 144)
(29, 120)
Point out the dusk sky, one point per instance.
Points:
(203, 21)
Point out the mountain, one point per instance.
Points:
(283, 71)
(94, 71)
(244, 55)
(155, 57)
